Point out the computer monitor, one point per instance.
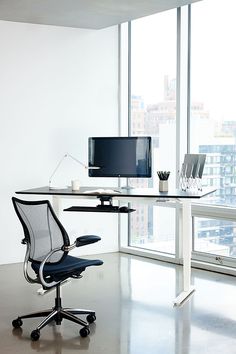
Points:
(120, 156)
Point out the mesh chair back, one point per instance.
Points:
(42, 229)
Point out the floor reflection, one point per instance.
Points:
(153, 325)
(57, 344)
(133, 299)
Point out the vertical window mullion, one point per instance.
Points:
(129, 78)
(182, 103)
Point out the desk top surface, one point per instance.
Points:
(120, 192)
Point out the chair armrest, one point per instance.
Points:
(86, 240)
(25, 266)
(41, 277)
(82, 241)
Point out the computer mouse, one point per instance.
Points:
(124, 209)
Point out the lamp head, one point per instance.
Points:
(92, 168)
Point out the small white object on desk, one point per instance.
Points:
(75, 185)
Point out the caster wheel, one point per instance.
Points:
(35, 335)
(84, 332)
(91, 318)
(17, 323)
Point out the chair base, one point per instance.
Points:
(57, 314)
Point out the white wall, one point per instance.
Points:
(57, 87)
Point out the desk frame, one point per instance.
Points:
(186, 218)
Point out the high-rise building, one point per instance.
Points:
(158, 121)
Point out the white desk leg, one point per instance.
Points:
(186, 251)
(56, 204)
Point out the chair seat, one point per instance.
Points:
(68, 267)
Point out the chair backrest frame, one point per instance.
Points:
(48, 232)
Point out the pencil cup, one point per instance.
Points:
(163, 186)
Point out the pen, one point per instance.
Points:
(163, 175)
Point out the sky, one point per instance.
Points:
(213, 58)
(153, 54)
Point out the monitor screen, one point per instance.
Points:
(120, 156)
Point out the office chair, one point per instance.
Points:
(48, 246)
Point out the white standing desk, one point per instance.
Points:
(185, 197)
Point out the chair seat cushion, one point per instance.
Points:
(68, 267)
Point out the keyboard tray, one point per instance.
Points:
(106, 209)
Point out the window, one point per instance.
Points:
(216, 237)
(213, 129)
(213, 125)
(153, 113)
(207, 94)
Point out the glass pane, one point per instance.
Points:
(153, 228)
(215, 236)
(153, 113)
(213, 109)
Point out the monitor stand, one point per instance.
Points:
(127, 187)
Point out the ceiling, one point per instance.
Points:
(92, 14)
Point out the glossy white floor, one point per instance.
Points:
(132, 297)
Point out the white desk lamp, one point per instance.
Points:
(75, 184)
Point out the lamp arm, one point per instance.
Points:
(60, 162)
(56, 168)
(73, 158)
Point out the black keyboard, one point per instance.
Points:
(107, 207)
